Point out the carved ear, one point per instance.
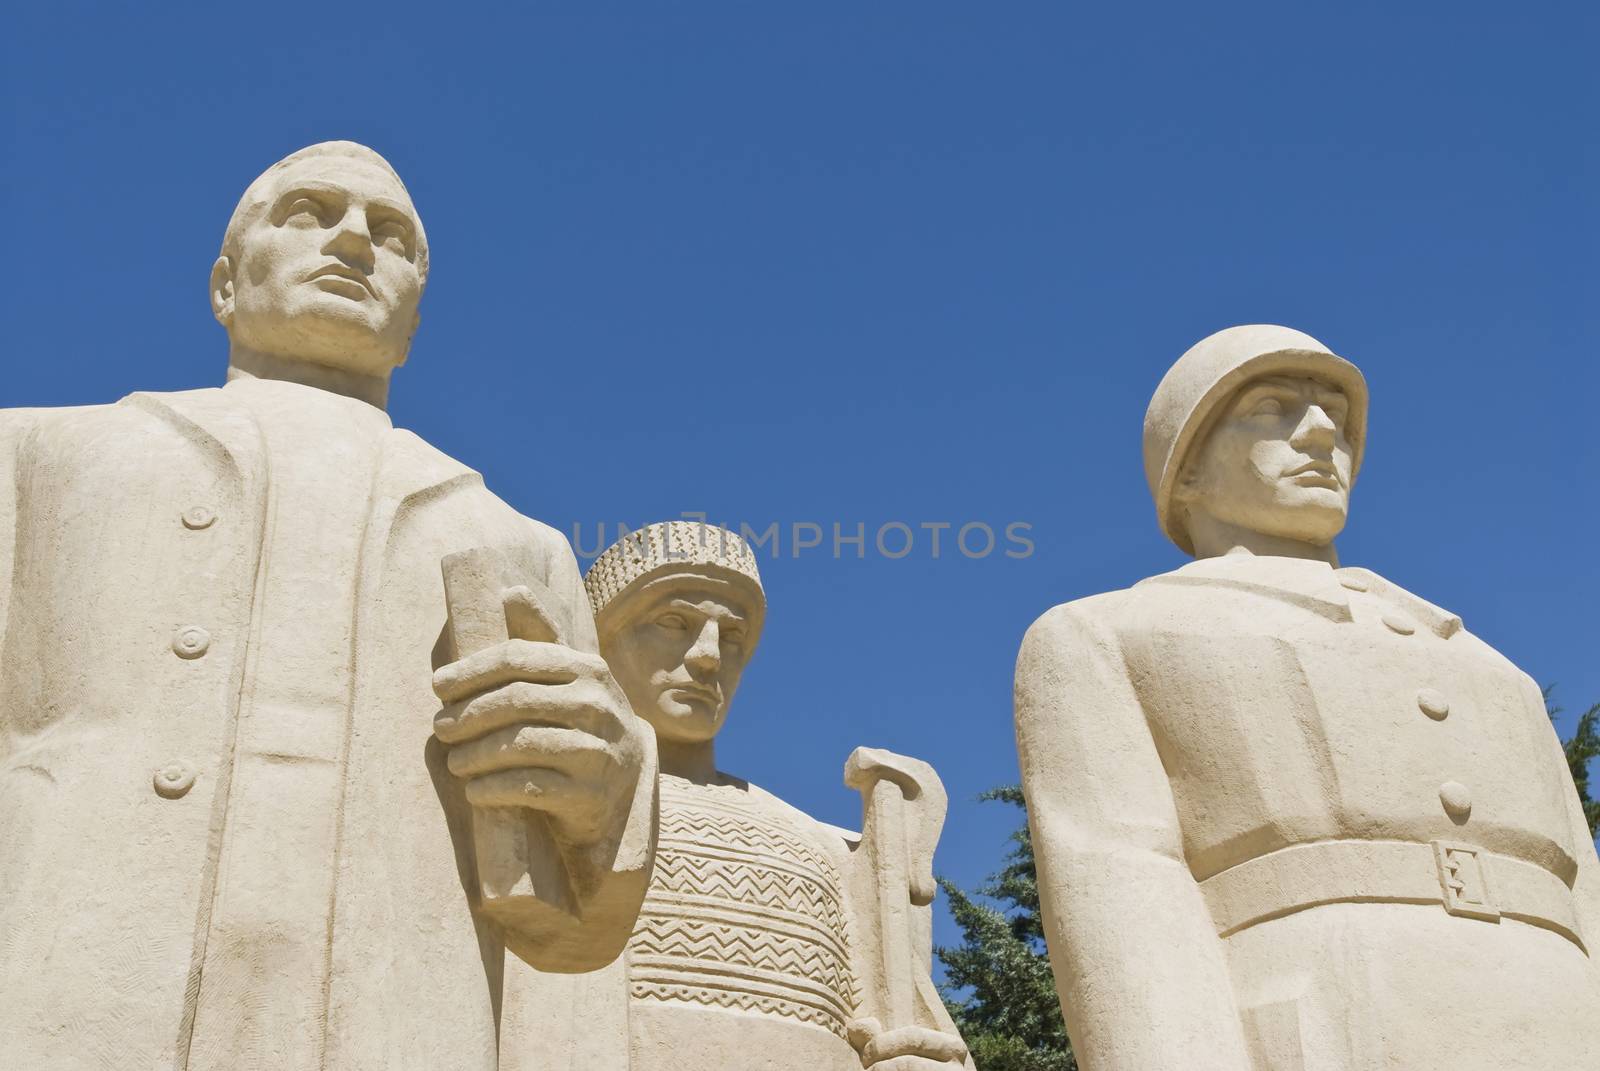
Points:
(222, 290)
(1187, 485)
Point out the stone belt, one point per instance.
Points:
(1465, 880)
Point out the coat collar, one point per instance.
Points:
(1311, 585)
(224, 429)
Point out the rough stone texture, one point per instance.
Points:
(767, 940)
(232, 830)
(1287, 814)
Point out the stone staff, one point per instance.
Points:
(903, 809)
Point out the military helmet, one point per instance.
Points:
(1202, 381)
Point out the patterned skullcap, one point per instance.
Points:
(669, 547)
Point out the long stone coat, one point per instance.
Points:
(130, 545)
(1293, 818)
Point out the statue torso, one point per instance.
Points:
(1333, 740)
(742, 952)
(1294, 703)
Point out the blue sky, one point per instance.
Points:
(864, 263)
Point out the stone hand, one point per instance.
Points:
(541, 726)
(910, 1048)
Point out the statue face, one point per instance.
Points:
(328, 271)
(1276, 462)
(678, 655)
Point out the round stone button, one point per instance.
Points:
(1456, 799)
(190, 641)
(197, 517)
(1354, 583)
(1399, 622)
(1433, 703)
(173, 780)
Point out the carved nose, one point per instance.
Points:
(1315, 427)
(705, 657)
(351, 242)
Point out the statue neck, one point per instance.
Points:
(246, 363)
(692, 761)
(1213, 538)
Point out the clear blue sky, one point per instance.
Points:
(876, 262)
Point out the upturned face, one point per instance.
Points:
(329, 271)
(1276, 462)
(678, 649)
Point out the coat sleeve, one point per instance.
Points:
(1139, 968)
(14, 427)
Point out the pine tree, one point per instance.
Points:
(1582, 749)
(998, 983)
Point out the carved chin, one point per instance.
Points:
(1313, 515)
(344, 310)
(681, 717)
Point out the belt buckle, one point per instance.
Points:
(1464, 881)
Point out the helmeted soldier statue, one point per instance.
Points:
(1287, 814)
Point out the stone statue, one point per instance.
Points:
(768, 941)
(229, 837)
(1289, 815)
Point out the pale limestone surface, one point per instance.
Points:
(768, 941)
(229, 836)
(1289, 816)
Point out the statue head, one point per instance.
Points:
(679, 608)
(324, 262)
(1258, 428)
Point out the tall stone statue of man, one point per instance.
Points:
(1288, 815)
(768, 941)
(229, 837)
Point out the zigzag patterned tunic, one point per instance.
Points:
(745, 913)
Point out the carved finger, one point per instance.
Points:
(916, 1041)
(515, 660)
(915, 1063)
(584, 706)
(529, 617)
(547, 790)
(578, 754)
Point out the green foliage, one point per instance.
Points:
(999, 988)
(1582, 748)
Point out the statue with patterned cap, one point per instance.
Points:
(1289, 816)
(768, 940)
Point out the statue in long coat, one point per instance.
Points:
(230, 835)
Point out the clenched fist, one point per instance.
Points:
(541, 726)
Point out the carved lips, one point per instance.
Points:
(1316, 473)
(341, 276)
(695, 691)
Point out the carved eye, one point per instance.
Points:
(733, 639)
(1267, 407)
(303, 210)
(395, 235)
(673, 622)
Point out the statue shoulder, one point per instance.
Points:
(1081, 620)
(547, 538)
(17, 425)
